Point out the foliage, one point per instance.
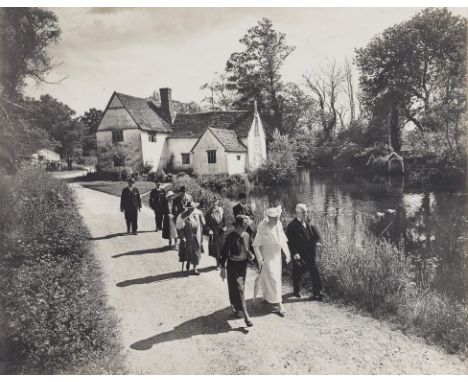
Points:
(25, 35)
(224, 184)
(254, 73)
(202, 195)
(221, 96)
(121, 156)
(90, 119)
(281, 164)
(415, 72)
(62, 127)
(53, 302)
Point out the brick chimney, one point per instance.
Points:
(166, 104)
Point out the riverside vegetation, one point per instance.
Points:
(54, 314)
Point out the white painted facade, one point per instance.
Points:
(167, 152)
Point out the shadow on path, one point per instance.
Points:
(214, 323)
(144, 251)
(111, 235)
(161, 277)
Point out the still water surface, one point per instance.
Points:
(429, 226)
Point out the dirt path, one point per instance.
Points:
(182, 325)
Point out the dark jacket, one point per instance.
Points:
(239, 209)
(302, 240)
(157, 199)
(130, 199)
(178, 204)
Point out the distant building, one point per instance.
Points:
(210, 143)
(45, 155)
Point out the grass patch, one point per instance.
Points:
(115, 187)
(54, 314)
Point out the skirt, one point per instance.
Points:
(169, 229)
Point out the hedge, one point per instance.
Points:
(55, 318)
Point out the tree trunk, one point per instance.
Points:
(395, 135)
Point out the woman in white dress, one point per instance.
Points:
(268, 243)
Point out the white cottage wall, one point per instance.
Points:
(236, 163)
(152, 150)
(176, 147)
(200, 157)
(131, 143)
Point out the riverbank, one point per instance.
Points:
(374, 277)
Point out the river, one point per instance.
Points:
(429, 226)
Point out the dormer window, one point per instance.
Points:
(152, 137)
(117, 136)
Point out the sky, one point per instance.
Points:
(139, 50)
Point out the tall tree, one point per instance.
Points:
(414, 68)
(254, 73)
(90, 120)
(62, 126)
(25, 35)
(325, 88)
(221, 96)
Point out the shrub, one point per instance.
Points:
(281, 164)
(224, 184)
(53, 301)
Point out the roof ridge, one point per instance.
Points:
(215, 112)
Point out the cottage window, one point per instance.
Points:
(117, 136)
(185, 158)
(238, 157)
(211, 156)
(152, 137)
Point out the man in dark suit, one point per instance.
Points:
(178, 206)
(156, 202)
(302, 240)
(130, 204)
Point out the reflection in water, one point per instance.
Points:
(430, 227)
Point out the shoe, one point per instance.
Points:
(317, 297)
(195, 272)
(135, 233)
(249, 323)
(297, 294)
(281, 312)
(236, 313)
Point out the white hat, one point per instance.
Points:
(274, 212)
(170, 193)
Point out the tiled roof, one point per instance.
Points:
(193, 125)
(145, 113)
(228, 139)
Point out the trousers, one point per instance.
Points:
(131, 218)
(236, 272)
(311, 267)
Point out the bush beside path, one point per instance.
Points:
(172, 324)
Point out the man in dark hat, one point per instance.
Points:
(181, 201)
(156, 202)
(130, 204)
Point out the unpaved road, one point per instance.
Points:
(182, 325)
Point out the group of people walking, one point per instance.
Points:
(183, 224)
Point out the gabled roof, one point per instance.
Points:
(145, 113)
(194, 125)
(227, 138)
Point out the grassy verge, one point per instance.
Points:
(55, 317)
(115, 187)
